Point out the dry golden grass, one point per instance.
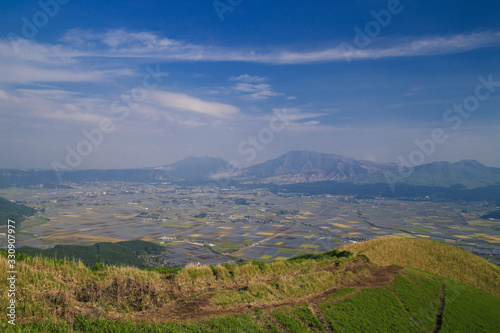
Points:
(434, 257)
(287, 287)
(192, 279)
(61, 290)
(58, 290)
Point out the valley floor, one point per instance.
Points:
(214, 226)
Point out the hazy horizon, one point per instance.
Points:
(241, 166)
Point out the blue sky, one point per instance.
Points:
(120, 84)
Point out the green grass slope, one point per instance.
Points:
(13, 211)
(434, 257)
(119, 253)
(336, 292)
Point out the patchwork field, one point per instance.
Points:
(209, 225)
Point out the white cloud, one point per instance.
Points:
(4, 95)
(297, 114)
(68, 61)
(70, 113)
(248, 78)
(259, 91)
(29, 51)
(252, 87)
(30, 74)
(25, 61)
(120, 43)
(76, 45)
(64, 106)
(192, 123)
(182, 102)
(51, 94)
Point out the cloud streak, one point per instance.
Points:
(252, 87)
(123, 44)
(183, 102)
(77, 45)
(69, 59)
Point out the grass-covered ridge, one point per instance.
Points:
(120, 253)
(335, 291)
(434, 257)
(13, 211)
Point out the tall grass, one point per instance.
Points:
(193, 279)
(60, 289)
(64, 296)
(287, 287)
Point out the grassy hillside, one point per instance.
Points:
(13, 211)
(492, 215)
(333, 292)
(434, 257)
(120, 253)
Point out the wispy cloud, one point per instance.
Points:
(77, 45)
(247, 87)
(413, 91)
(253, 87)
(255, 91)
(248, 78)
(31, 74)
(122, 44)
(46, 104)
(26, 61)
(183, 102)
(429, 46)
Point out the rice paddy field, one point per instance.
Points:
(213, 226)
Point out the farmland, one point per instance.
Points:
(199, 224)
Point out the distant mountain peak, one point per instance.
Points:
(306, 166)
(307, 153)
(193, 167)
(471, 163)
(199, 159)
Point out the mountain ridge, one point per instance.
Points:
(298, 166)
(195, 167)
(307, 166)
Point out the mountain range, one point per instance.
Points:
(292, 167)
(306, 167)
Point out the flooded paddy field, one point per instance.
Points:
(210, 225)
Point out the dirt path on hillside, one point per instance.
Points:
(184, 307)
(439, 315)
